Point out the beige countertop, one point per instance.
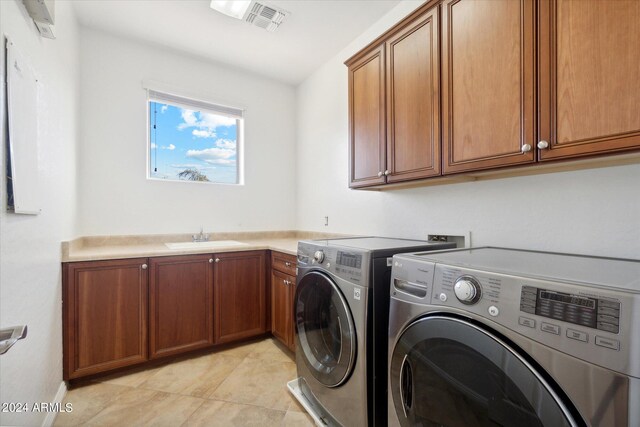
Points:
(95, 248)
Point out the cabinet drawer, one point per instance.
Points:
(283, 262)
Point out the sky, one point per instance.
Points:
(188, 139)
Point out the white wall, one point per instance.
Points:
(115, 196)
(30, 288)
(593, 211)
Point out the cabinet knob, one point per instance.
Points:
(386, 173)
(543, 145)
(526, 148)
(380, 173)
(288, 264)
(210, 260)
(217, 259)
(144, 266)
(286, 282)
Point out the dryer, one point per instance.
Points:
(341, 312)
(494, 336)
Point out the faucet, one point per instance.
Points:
(200, 237)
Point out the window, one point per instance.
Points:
(191, 140)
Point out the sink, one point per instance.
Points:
(213, 244)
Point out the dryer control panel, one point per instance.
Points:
(590, 323)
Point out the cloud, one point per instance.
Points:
(169, 147)
(203, 121)
(189, 118)
(191, 166)
(214, 120)
(226, 143)
(203, 133)
(153, 145)
(163, 108)
(214, 155)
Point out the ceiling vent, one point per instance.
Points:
(265, 16)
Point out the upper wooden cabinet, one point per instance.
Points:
(394, 106)
(239, 295)
(467, 93)
(488, 83)
(180, 304)
(589, 72)
(367, 119)
(413, 100)
(104, 315)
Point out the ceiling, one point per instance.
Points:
(314, 32)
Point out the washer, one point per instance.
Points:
(494, 336)
(341, 311)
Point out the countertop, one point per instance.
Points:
(94, 248)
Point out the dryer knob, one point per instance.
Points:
(318, 256)
(467, 290)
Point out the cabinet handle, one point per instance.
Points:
(288, 264)
(286, 282)
(386, 173)
(380, 174)
(144, 266)
(217, 259)
(542, 145)
(210, 260)
(526, 148)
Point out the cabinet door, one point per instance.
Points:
(589, 73)
(281, 306)
(367, 120)
(487, 84)
(239, 295)
(413, 103)
(104, 315)
(180, 304)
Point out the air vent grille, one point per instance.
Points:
(267, 17)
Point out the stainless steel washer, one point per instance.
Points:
(341, 309)
(492, 336)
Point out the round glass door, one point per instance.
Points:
(448, 372)
(326, 335)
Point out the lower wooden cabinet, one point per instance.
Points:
(124, 312)
(180, 304)
(282, 307)
(239, 295)
(283, 291)
(104, 315)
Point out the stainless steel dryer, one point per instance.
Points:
(502, 337)
(341, 311)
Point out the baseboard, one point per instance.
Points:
(59, 397)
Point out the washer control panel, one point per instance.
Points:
(585, 311)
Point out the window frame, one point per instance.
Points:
(200, 105)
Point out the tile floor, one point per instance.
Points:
(240, 386)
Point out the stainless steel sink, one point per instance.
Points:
(213, 244)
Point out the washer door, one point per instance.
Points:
(449, 372)
(326, 334)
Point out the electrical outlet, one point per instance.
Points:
(462, 240)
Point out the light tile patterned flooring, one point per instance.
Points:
(240, 386)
